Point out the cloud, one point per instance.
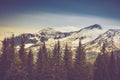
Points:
(57, 20)
(67, 28)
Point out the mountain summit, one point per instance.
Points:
(93, 36)
(95, 26)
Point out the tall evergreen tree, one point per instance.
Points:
(45, 55)
(11, 54)
(112, 67)
(30, 66)
(22, 54)
(3, 59)
(80, 57)
(39, 65)
(80, 66)
(105, 62)
(97, 68)
(12, 69)
(118, 67)
(57, 61)
(48, 73)
(7, 57)
(68, 63)
(16, 70)
(101, 65)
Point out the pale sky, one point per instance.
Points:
(23, 16)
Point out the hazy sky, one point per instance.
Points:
(30, 15)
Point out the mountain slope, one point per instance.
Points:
(49, 35)
(110, 38)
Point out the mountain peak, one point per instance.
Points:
(47, 30)
(114, 30)
(95, 26)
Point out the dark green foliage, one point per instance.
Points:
(105, 67)
(112, 67)
(118, 67)
(43, 68)
(55, 65)
(39, 65)
(80, 56)
(68, 63)
(101, 66)
(81, 70)
(16, 70)
(11, 68)
(30, 66)
(3, 59)
(57, 62)
(22, 52)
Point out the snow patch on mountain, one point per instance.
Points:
(85, 34)
(110, 38)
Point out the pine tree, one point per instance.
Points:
(12, 69)
(30, 66)
(45, 55)
(80, 58)
(23, 55)
(105, 62)
(97, 68)
(118, 67)
(57, 61)
(101, 65)
(11, 49)
(45, 64)
(16, 70)
(22, 52)
(80, 66)
(3, 59)
(112, 67)
(39, 65)
(68, 63)
(7, 57)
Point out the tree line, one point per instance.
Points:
(55, 64)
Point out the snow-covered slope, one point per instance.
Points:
(50, 36)
(50, 33)
(86, 34)
(92, 38)
(110, 38)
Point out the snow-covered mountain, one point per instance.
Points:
(53, 34)
(92, 38)
(110, 38)
(50, 36)
(86, 34)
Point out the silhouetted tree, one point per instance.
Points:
(16, 70)
(118, 67)
(10, 62)
(30, 66)
(112, 67)
(3, 59)
(97, 68)
(39, 65)
(57, 62)
(101, 65)
(80, 65)
(22, 53)
(43, 64)
(68, 63)
(7, 57)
